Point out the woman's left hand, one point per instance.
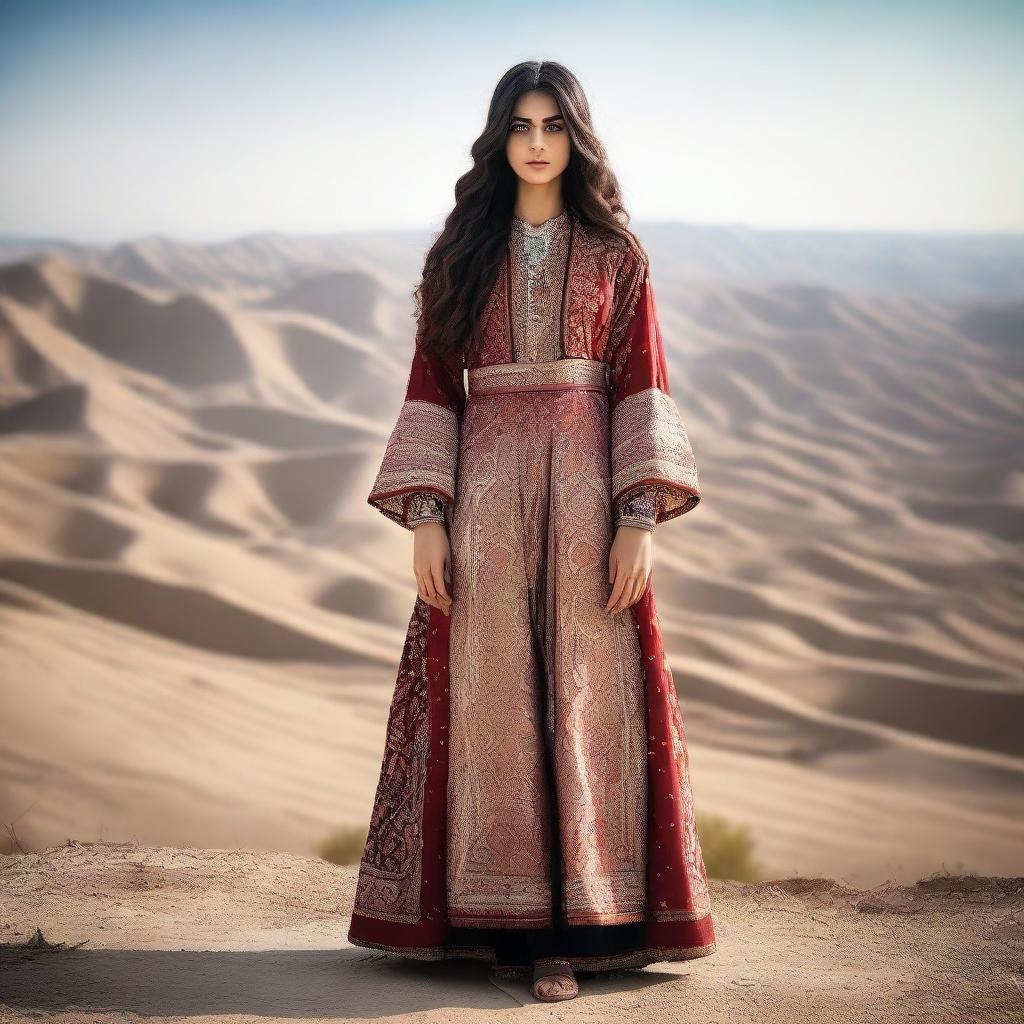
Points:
(629, 566)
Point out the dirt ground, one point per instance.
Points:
(171, 933)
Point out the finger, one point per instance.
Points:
(425, 590)
(627, 595)
(620, 591)
(618, 582)
(444, 602)
(638, 588)
(437, 576)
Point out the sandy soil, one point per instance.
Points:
(176, 933)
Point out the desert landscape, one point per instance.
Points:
(213, 217)
(201, 617)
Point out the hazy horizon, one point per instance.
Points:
(181, 238)
(208, 121)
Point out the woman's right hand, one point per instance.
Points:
(431, 564)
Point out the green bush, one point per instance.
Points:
(344, 845)
(727, 849)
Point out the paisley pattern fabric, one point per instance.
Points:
(529, 544)
(535, 794)
(390, 873)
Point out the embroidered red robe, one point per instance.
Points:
(608, 316)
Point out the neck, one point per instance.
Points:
(535, 207)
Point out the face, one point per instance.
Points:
(538, 141)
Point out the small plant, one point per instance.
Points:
(344, 845)
(11, 842)
(727, 849)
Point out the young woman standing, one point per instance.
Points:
(534, 807)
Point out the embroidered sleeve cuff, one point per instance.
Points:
(637, 508)
(425, 507)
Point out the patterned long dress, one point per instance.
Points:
(547, 707)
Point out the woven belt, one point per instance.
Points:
(552, 375)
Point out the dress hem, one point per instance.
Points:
(620, 961)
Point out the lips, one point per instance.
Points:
(538, 163)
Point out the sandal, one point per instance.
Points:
(560, 980)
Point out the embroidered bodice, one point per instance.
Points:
(538, 260)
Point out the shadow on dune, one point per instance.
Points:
(59, 410)
(183, 614)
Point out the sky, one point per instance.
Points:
(210, 119)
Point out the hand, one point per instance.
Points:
(629, 566)
(431, 563)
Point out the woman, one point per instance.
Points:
(534, 803)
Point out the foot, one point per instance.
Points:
(553, 981)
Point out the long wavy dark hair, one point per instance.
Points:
(461, 265)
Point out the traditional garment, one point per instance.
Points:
(534, 797)
(539, 255)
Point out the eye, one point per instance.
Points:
(520, 124)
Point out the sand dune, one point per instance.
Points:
(957, 266)
(183, 340)
(202, 618)
(348, 298)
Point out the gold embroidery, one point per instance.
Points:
(630, 279)
(553, 374)
(388, 886)
(592, 267)
(425, 507)
(544, 679)
(696, 870)
(538, 259)
(638, 508)
(421, 454)
(589, 297)
(650, 446)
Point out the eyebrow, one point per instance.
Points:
(553, 117)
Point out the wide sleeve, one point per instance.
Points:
(422, 452)
(651, 457)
